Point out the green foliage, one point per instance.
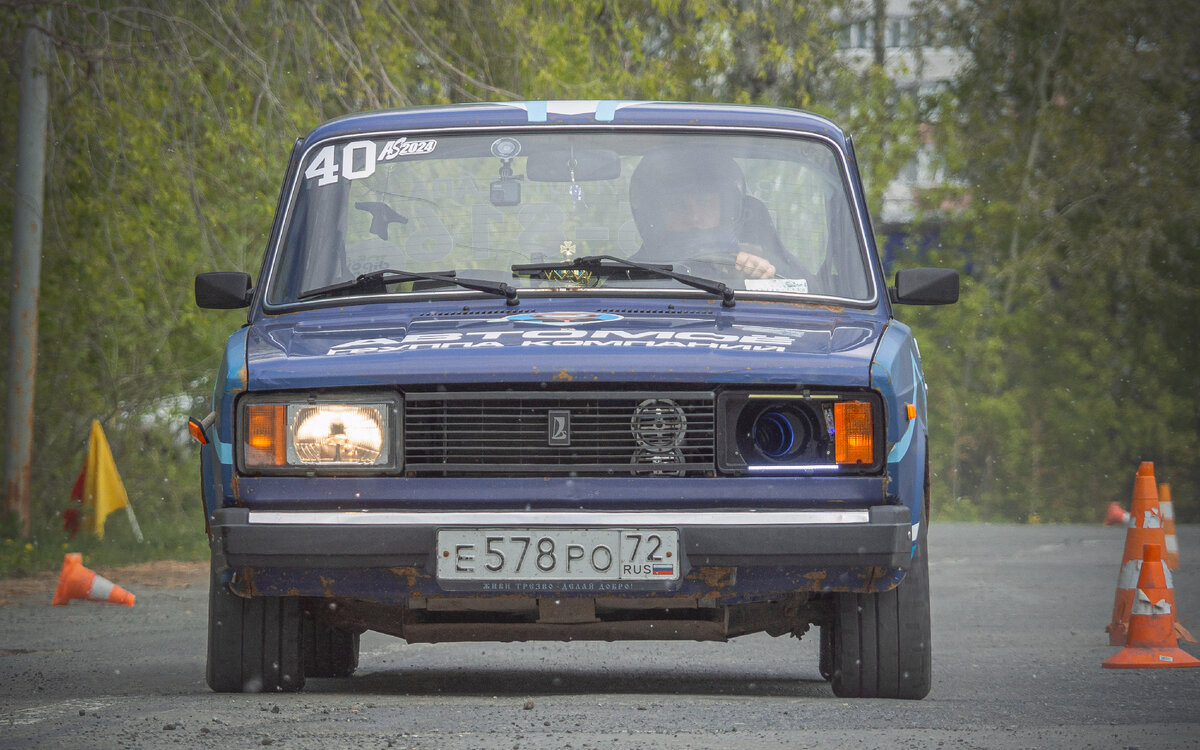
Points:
(161, 479)
(1072, 356)
(167, 537)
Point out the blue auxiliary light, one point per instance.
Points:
(774, 434)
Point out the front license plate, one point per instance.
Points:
(557, 554)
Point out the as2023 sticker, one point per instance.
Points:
(357, 159)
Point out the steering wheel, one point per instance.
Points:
(710, 262)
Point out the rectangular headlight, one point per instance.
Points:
(338, 433)
(800, 432)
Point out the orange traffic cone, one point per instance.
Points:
(1116, 515)
(77, 582)
(1168, 514)
(1145, 527)
(1152, 642)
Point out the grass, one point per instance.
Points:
(957, 509)
(160, 479)
(168, 536)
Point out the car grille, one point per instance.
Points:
(650, 433)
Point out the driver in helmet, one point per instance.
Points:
(690, 203)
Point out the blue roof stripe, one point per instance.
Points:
(606, 111)
(536, 111)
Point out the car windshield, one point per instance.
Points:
(760, 213)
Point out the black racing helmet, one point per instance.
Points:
(662, 181)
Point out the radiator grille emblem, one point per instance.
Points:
(558, 427)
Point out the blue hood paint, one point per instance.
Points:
(404, 343)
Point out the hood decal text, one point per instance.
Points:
(569, 337)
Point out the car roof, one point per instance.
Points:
(578, 113)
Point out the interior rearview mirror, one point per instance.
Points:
(573, 165)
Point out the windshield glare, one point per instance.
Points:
(759, 213)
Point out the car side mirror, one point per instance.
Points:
(925, 286)
(223, 290)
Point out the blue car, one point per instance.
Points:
(569, 370)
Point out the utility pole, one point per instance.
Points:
(26, 269)
(879, 30)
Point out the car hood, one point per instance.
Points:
(373, 345)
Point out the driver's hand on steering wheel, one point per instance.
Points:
(754, 266)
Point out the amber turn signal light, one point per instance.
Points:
(196, 430)
(855, 432)
(266, 443)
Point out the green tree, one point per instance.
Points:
(1073, 357)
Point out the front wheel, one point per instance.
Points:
(879, 643)
(253, 643)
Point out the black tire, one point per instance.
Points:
(328, 651)
(880, 642)
(825, 662)
(253, 643)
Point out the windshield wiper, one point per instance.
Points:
(376, 282)
(605, 265)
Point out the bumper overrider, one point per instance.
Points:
(388, 556)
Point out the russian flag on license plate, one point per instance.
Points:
(663, 570)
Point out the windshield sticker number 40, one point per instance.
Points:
(358, 158)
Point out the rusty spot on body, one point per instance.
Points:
(408, 574)
(872, 575)
(716, 577)
(563, 375)
(243, 582)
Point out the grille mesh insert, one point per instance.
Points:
(653, 433)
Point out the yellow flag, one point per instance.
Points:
(102, 488)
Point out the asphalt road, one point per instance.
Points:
(1019, 615)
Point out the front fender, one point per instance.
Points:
(216, 458)
(896, 373)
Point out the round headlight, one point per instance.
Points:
(774, 434)
(777, 432)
